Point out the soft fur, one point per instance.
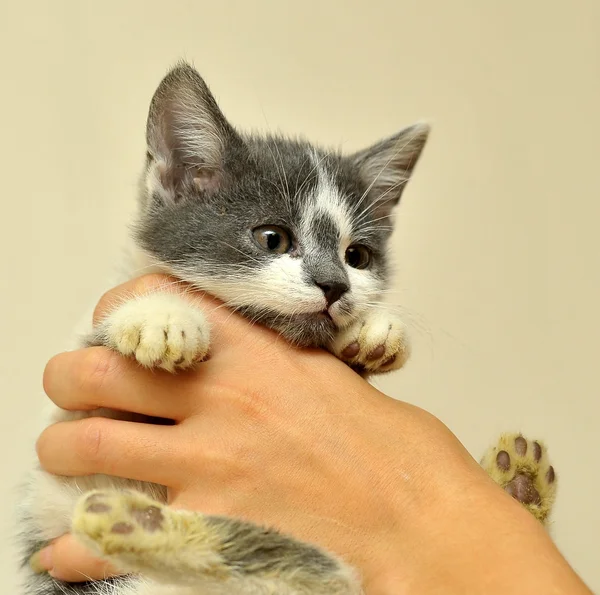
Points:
(206, 194)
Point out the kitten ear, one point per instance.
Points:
(387, 166)
(187, 136)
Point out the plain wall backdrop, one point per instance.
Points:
(497, 242)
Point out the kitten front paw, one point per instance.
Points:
(375, 343)
(521, 467)
(160, 330)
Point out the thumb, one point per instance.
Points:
(68, 560)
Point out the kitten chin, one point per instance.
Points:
(303, 330)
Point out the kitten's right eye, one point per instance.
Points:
(273, 238)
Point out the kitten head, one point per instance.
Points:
(292, 235)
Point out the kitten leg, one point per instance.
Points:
(222, 555)
(160, 330)
(374, 343)
(521, 467)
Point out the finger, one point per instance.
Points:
(87, 379)
(145, 285)
(68, 560)
(145, 452)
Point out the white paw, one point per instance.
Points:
(160, 330)
(376, 343)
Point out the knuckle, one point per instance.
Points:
(234, 470)
(245, 402)
(249, 406)
(227, 464)
(254, 406)
(91, 441)
(96, 366)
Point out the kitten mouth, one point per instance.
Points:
(307, 329)
(323, 319)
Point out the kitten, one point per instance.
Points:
(291, 236)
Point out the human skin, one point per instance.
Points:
(262, 432)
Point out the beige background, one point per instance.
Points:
(497, 243)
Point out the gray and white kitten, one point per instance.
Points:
(286, 233)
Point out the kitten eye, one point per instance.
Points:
(273, 239)
(358, 256)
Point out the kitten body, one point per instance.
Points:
(291, 236)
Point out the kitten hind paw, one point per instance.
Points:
(521, 467)
(216, 554)
(126, 527)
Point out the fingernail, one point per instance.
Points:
(41, 561)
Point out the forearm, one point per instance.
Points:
(478, 541)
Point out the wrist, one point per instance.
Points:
(480, 541)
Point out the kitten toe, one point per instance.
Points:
(159, 330)
(374, 344)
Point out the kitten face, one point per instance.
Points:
(293, 236)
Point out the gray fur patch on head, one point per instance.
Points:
(187, 136)
(206, 188)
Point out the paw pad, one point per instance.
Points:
(521, 446)
(98, 507)
(149, 518)
(122, 529)
(373, 344)
(521, 488)
(503, 460)
(522, 469)
(351, 351)
(117, 522)
(377, 353)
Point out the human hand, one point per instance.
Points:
(276, 435)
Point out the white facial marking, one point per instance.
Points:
(328, 200)
(278, 286)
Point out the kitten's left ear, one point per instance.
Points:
(188, 137)
(387, 166)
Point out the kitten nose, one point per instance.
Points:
(333, 291)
